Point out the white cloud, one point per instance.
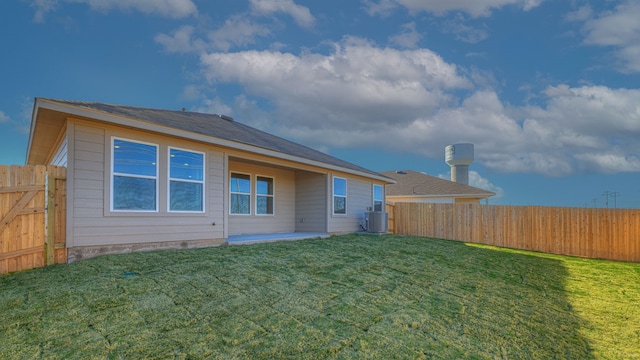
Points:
(237, 30)
(408, 38)
(4, 118)
(167, 8)
(594, 110)
(476, 180)
(618, 28)
(614, 161)
(192, 93)
(362, 95)
(299, 13)
(464, 32)
(358, 86)
(475, 8)
(214, 106)
(583, 13)
(381, 8)
(42, 7)
(180, 41)
(578, 129)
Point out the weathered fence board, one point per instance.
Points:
(612, 234)
(25, 213)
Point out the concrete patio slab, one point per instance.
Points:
(244, 239)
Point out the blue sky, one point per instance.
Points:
(548, 91)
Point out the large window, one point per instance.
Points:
(240, 193)
(186, 180)
(377, 197)
(339, 196)
(134, 185)
(264, 195)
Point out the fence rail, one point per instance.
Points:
(32, 217)
(612, 234)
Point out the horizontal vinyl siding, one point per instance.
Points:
(359, 198)
(88, 179)
(94, 225)
(311, 206)
(283, 219)
(60, 156)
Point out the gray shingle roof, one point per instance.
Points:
(413, 183)
(216, 126)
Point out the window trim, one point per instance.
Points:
(373, 196)
(250, 193)
(113, 174)
(345, 196)
(273, 196)
(202, 182)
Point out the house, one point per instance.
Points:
(413, 186)
(142, 179)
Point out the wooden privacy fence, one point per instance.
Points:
(32, 217)
(612, 234)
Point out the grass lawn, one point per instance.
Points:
(353, 296)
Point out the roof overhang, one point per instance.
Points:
(49, 117)
(46, 124)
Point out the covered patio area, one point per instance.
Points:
(245, 239)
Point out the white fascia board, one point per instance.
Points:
(32, 127)
(125, 121)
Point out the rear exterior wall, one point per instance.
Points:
(303, 196)
(359, 201)
(283, 218)
(311, 202)
(91, 223)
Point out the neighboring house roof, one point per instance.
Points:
(211, 126)
(413, 183)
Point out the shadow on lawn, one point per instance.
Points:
(447, 299)
(343, 297)
(507, 300)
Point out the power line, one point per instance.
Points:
(615, 195)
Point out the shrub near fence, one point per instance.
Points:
(612, 234)
(32, 217)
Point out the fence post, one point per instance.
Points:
(49, 248)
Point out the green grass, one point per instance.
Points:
(353, 296)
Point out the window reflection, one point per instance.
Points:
(134, 158)
(134, 176)
(377, 197)
(240, 194)
(264, 195)
(186, 185)
(186, 165)
(339, 196)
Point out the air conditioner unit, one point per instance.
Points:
(377, 222)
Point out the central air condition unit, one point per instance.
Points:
(377, 222)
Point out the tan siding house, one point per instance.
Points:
(140, 179)
(414, 186)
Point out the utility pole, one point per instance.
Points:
(595, 201)
(615, 195)
(606, 195)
